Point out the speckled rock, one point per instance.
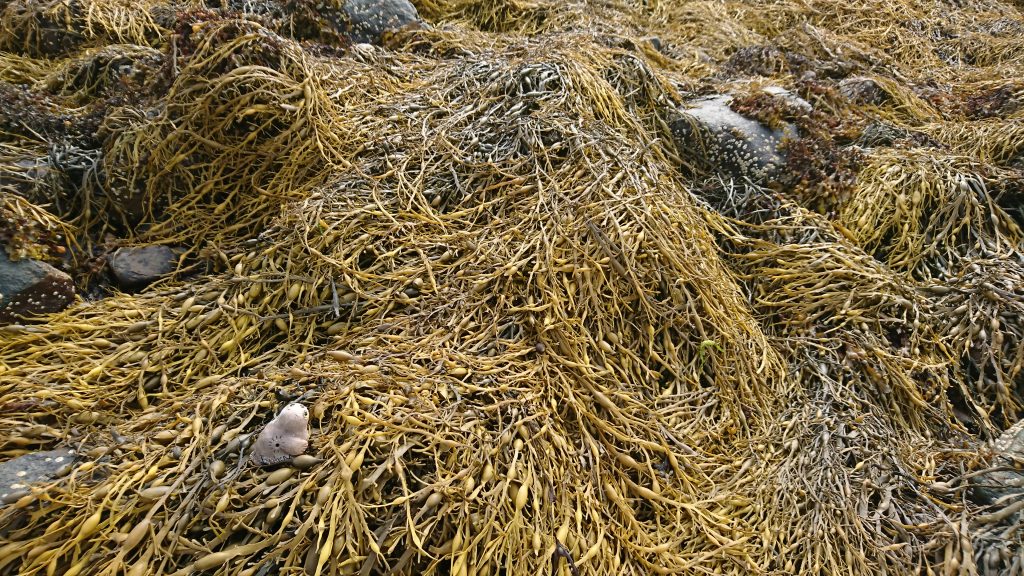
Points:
(863, 90)
(282, 438)
(1009, 449)
(137, 267)
(877, 134)
(19, 474)
(710, 133)
(368, 19)
(29, 287)
(791, 99)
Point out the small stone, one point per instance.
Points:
(283, 438)
(137, 267)
(369, 19)
(30, 287)
(18, 474)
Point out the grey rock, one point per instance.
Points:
(878, 134)
(29, 287)
(31, 177)
(368, 19)
(137, 267)
(709, 131)
(1005, 27)
(789, 98)
(19, 474)
(1009, 453)
(863, 90)
(32, 169)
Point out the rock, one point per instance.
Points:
(29, 175)
(791, 100)
(1009, 453)
(758, 60)
(863, 90)
(709, 131)
(878, 134)
(19, 474)
(283, 438)
(29, 287)
(31, 114)
(369, 19)
(137, 267)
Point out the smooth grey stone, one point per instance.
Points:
(137, 267)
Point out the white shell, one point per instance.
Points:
(282, 438)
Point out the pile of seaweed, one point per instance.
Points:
(532, 338)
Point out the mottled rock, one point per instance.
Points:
(19, 474)
(791, 99)
(369, 19)
(1009, 453)
(758, 60)
(863, 90)
(283, 438)
(29, 287)
(878, 134)
(137, 267)
(710, 132)
(332, 25)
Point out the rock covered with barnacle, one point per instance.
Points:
(29, 287)
(1004, 479)
(283, 438)
(338, 22)
(368, 20)
(708, 131)
(18, 475)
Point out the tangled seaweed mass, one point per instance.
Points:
(531, 333)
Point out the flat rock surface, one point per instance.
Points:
(29, 287)
(19, 474)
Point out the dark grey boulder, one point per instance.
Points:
(137, 267)
(991, 486)
(19, 474)
(709, 132)
(369, 19)
(30, 287)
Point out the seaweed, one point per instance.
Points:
(527, 339)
